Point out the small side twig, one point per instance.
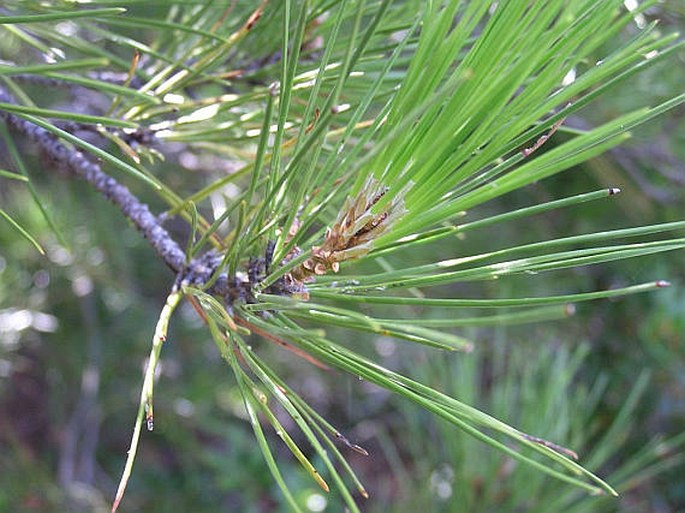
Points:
(145, 406)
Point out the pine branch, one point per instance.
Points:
(75, 162)
(333, 184)
(200, 272)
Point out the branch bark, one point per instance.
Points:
(74, 162)
(197, 271)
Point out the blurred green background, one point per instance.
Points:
(609, 381)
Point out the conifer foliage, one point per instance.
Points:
(362, 131)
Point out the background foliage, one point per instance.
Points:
(605, 381)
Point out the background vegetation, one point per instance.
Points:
(75, 328)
